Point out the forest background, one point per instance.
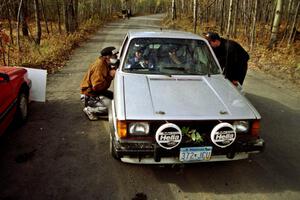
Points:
(42, 33)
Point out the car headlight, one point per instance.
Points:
(138, 128)
(241, 126)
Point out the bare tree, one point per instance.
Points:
(70, 23)
(253, 30)
(58, 16)
(222, 16)
(174, 16)
(37, 22)
(276, 22)
(76, 14)
(18, 25)
(195, 16)
(229, 22)
(292, 31)
(235, 18)
(44, 16)
(23, 18)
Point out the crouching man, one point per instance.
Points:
(94, 87)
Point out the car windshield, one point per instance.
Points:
(169, 57)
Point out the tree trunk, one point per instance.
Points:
(253, 31)
(18, 25)
(44, 16)
(76, 14)
(71, 14)
(70, 22)
(276, 22)
(2, 50)
(58, 15)
(288, 19)
(23, 18)
(229, 22)
(222, 16)
(37, 22)
(235, 19)
(182, 7)
(174, 16)
(290, 39)
(195, 15)
(66, 16)
(10, 24)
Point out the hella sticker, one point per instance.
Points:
(223, 135)
(168, 136)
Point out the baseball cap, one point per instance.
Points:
(212, 36)
(108, 51)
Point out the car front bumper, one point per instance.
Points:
(151, 153)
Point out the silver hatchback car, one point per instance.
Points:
(173, 105)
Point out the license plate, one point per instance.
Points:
(195, 153)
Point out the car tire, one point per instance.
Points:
(22, 108)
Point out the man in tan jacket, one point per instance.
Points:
(94, 87)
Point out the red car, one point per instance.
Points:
(14, 96)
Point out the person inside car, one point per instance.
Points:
(140, 61)
(94, 86)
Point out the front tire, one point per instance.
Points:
(22, 108)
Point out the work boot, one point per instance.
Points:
(89, 114)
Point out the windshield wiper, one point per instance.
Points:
(175, 68)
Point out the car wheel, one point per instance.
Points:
(22, 108)
(112, 149)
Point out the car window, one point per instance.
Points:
(169, 56)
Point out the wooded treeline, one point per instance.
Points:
(24, 21)
(34, 21)
(271, 20)
(67, 15)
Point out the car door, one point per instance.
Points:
(6, 102)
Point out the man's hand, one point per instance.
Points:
(112, 72)
(235, 82)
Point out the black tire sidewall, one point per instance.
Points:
(22, 112)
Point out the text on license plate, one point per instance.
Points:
(195, 153)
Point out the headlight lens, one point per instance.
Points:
(241, 126)
(139, 128)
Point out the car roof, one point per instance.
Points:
(162, 34)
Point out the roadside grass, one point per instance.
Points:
(281, 61)
(54, 49)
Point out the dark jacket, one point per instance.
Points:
(97, 78)
(233, 60)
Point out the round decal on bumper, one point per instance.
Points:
(168, 136)
(223, 135)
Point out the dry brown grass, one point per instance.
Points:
(54, 49)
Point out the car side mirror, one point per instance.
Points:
(4, 77)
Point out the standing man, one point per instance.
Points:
(94, 87)
(231, 56)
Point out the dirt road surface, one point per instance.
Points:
(59, 154)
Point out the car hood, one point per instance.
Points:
(155, 97)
